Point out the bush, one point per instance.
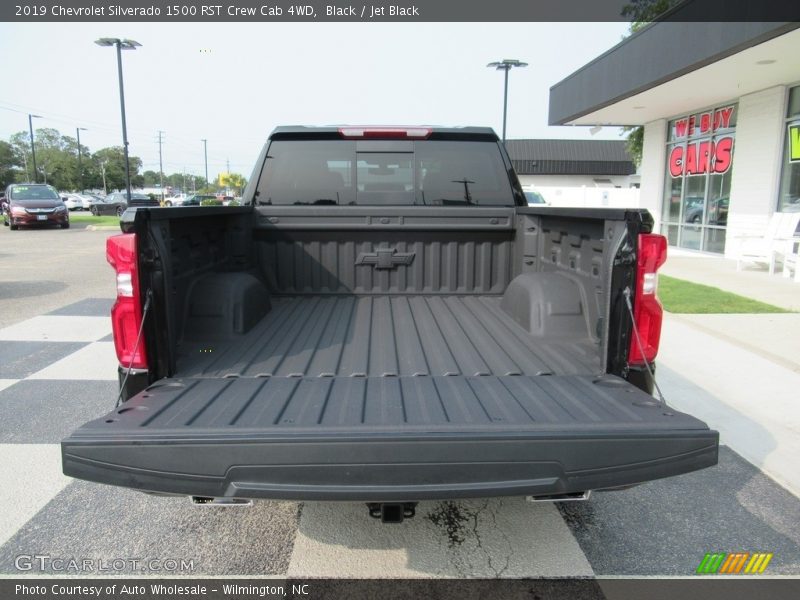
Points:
(211, 202)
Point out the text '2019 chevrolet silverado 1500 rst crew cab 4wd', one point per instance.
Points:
(385, 320)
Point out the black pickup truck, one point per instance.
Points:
(385, 320)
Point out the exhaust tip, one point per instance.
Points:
(221, 502)
(571, 497)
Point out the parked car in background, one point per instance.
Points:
(176, 200)
(196, 199)
(116, 203)
(120, 199)
(90, 199)
(73, 201)
(34, 204)
(140, 199)
(717, 211)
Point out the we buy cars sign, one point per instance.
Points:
(707, 156)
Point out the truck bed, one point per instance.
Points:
(386, 354)
(379, 398)
(387, 336)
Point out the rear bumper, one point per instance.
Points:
(385, 468)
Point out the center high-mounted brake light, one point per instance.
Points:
(126, 315)
(647, 310)
(395, 133)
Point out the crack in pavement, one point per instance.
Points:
(453, 517)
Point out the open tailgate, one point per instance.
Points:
(388, 438)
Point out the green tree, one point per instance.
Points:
(643, 12)
(233, 181)
(112, 160)
(56, 158)
(8, 165)
(150, 178)
(21, 145)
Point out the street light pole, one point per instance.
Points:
(33, 149)
(80, 168)
(205, 154)
(122, 45)
(506, 65)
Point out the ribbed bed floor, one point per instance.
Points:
(387, 336)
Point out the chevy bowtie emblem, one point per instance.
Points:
(385, 258)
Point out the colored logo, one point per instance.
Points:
(737, 563)
(794, 142)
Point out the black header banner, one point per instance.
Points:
(244, 11)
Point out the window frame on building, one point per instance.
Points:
(676, 226)
(791, 118)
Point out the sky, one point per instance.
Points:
(232, 83)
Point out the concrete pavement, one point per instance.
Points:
(43, 269)
(738, 372)
(747, 395)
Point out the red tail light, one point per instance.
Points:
(402, 133)
(126, 316)
(647, 310)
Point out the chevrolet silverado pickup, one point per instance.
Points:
(385, 320)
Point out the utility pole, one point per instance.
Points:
(160, 166)
(33, 149)
(80, 168)
(103, 171)
(228, 178)
(205, 153)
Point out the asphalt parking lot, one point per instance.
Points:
(57, 370)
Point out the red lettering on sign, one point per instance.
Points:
(722, 154)
(726, 116)
(704, 155)
(680, 128)
(705, 122)
(701, 157)
(691, 125)
(676, 161)
(691, 160)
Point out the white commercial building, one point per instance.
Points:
(720, 107)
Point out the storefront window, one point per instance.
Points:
(698, 179)
(789, 196)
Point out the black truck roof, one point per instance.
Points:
(301, 132)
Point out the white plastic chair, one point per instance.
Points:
(791, 258)
(765, 248)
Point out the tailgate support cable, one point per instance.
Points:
(135, 347)
(627, 293)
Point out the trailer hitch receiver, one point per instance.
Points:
(392, 512)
